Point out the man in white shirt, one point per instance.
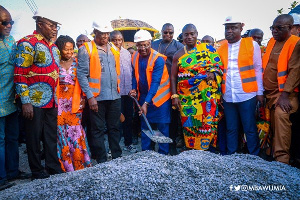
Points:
(242, 85)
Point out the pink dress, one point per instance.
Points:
(72, 147)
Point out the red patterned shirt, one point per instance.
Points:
(36, 71)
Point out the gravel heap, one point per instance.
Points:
(149, 175)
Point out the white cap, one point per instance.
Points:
(46, 14)
(296, 18)
(142, 35)
(103, 27)
(230, 20)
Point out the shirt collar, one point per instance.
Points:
(41, 37)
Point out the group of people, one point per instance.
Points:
(69, 103)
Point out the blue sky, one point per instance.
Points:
(77, 16)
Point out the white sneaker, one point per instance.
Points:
(130, 148)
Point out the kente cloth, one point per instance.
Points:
(72, 144)
(199, 98)
(263, 126)
(36, 71)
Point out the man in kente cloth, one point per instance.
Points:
(196, 90)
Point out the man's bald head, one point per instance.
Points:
(115, 33)
(5, 22)
(208, 39)
(166, 25)
(281, 28)
(189, 27)
(257, 35)
(285, 18)
(81, 39)
(2, 9)
(190, 34)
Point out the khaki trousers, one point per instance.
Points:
(281, 127)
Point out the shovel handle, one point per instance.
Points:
(144, 116)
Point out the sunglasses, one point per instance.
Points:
(5, 23)
(278, 28)
(170, 33)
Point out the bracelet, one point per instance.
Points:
(146, 103)
(174, 96)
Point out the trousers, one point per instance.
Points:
(281, 128)
(244, 111)
(43, 127)
(9, 146)
(108, 116)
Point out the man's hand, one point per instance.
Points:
(27, 111)
(176, 103)
(82, 103)
(210, 76)
(284, 102)
(260, 98)
(144, 109)
(132, 93)
(93, 104)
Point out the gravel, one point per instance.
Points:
(149, 175)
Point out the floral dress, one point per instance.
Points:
(71, 146)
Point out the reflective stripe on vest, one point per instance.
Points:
(163, 92)
(283, 59)
(245, 64)
(95, 67)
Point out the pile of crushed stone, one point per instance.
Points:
(189, 175)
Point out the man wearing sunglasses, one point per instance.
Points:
(36, 78)
(281, 64)
(242, 85)
(168, 47)
(9, 133)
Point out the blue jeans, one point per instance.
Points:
(163, 148)
(9, 146)
(244, 111)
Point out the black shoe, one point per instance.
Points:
(40, 175)
(173, 151)
(21, 175)
(6, 185)
(135, 141)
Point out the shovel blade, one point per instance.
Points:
(157, 136)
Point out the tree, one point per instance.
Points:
(293, 5)
(157, 35)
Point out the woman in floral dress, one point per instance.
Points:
(71, 145)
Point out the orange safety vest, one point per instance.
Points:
(245, 64)
(163, 92)
(283, 59)
(95, 67)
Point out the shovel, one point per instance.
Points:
(154, 135)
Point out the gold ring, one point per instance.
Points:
(173, 107)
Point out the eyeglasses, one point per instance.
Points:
(279, 28)
(170, 33)
(233, 28)
(142, 46)
(52, 26)
(5, 23)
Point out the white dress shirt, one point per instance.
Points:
(234, 91)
